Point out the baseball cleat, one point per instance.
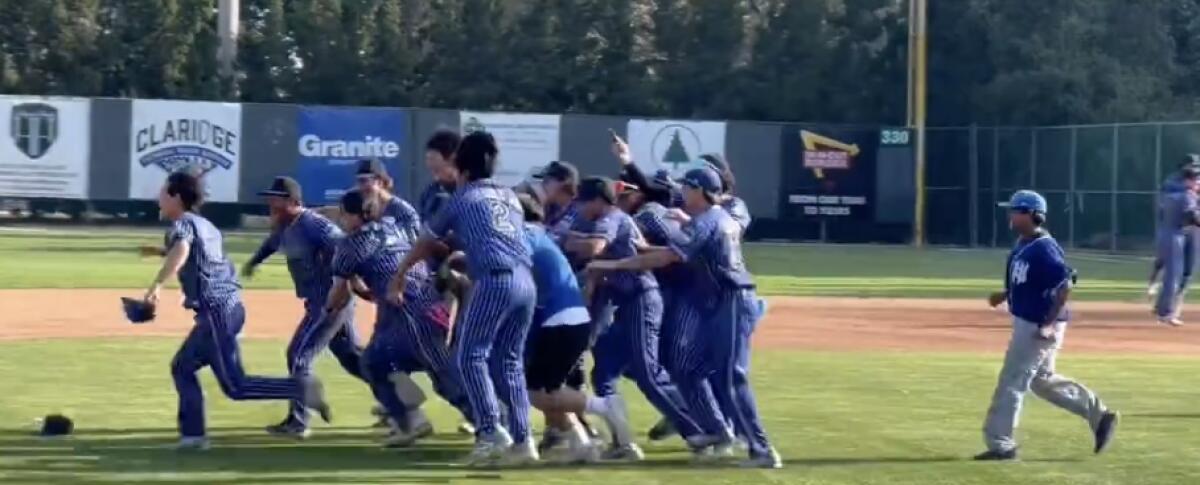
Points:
(1105, 429)
(1170, 321)
(521, 454)
(591, 431)
(313, 392)
(489, 448)
(625, 452)
(466, 429)
(997, 455)
(768, 460)
(582, 453)
(399, 438)
(192, 443)
(661, 430)
(288, 429)
(551, 438)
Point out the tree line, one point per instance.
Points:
(836, 61)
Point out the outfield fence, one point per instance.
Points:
(1101, 181)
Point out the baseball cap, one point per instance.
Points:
(283, 187)
(662, 181)
(593, 188)
(1026, 200)
(559, 171)
(703, 178)
(371, 166)
(1190, 160)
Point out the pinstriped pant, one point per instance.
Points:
(630, 345)
(491, 342)
(213, 342)
(716, 346)
(401, 343)
(316, 332)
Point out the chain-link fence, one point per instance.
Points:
(1101, 181)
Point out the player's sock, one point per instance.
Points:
(575, 434)
(596, 405)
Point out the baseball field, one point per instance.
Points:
(886, 389)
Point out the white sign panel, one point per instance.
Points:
(44, 152)
(674, 145)
(527, 141)
(168, 136)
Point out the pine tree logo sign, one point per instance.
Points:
(674, 145)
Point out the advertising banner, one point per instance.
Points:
(527, 141)
(673, 145)
(169, 136)
(829, 172)
(332, 141)
(45, 152)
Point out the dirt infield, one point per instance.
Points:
(840, 324)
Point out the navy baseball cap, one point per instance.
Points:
(593, 188)
(1026, 200)
(371, 166)
(286, 187)
(703, 178)
(559, 171)
(662, 181)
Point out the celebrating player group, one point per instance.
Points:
(497, 293)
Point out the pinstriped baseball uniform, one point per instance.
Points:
(309, 242)
(210, 288)
(407, 338)
(721, 345)
(487, 220)
(630, 344)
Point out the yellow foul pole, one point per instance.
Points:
(916, 108)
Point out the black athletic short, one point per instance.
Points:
(554, 354)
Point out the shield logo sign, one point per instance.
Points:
(34, 128)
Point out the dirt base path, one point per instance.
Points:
(841, 324)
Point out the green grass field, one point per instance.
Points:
(837, 418)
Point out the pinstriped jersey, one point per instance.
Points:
(374, 253)
(560, 222)
(622, 236)
(308, 243)
(713, 250)
(404, 216)
(207, 278)
(487, 220)
(737, 209)
(660, 231)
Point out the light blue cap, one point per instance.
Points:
(1026, 200)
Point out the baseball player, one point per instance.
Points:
(373, 180)
(1178, 213)
(194, 252)
(439, 151)
(486, 219)
(1175, 184)
(630, 343)
(308, 240)
(408, 337)
(1037, 284)
(725, 294)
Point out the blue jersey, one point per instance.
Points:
(207, 277)
(557, 288)
(711, 245)
(309, 243)
(1177, 210)
(622, 237)
(659, 230)
(1036, 272)
(404, 216)
(488, 222)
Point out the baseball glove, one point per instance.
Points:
(56, 425)
(137, 310)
